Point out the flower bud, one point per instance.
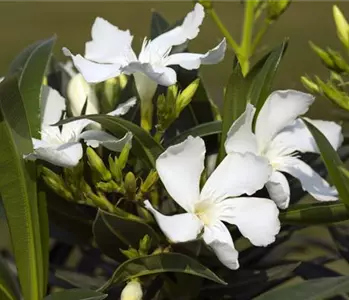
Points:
(310, 85)
(130, 253)
(101, 201)
(331, 92)
(342, 26)
(109, 187)
(132, 291)
(144, 245)
(123, 157)
(275, 8)
(97, 165)
(325, 57)
(56, 183)
(186, 96)
(79, 91)
(111, 92)
(130, 185)
(115, 169)
(151, 179)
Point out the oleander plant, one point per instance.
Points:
(122, 178)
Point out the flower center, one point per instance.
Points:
(206, 211)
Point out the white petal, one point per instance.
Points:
(237, 174)
(256, 218)
(123, 108)
(180, 168)
(178, 228)
(93, 72)
(298, 137)
(180, 34)
(94, 138)
(66, 155)
(109, 44)
(240, 137)
(146, 87)
(79, 91)
(71, 131)
(280, 110)
(279, 189)
(192, 61)
(218, 238)
(311, 181)
(52, 105)
(160, 74)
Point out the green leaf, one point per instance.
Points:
(206, 129)
(143, 144)
(77, 294)
(315, 213)
(113, 232)
(160, 263)
(332, 162)
(316, 289)
(80, 280)
(31, 65)
(263, 81)
(18, 190)
(234, 104)
(158, 25)
(8, 288)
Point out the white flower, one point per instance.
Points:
(110, 53)
(132, 291)
(279, 136)
(79, 91)
(62, 147)
(180, 168)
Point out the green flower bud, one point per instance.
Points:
(130, 253)
(97, 165)
(331, 92)
(151, 179)
(109, 187)
(130, 185)
(325, 57)
(123, 157)
(341, 65)
(275, 8)
(310, 85)
(56, 183)
(186, 96)
(342, 26)
(132, 291)
(101, 201)
(144, 245)
(115, 169)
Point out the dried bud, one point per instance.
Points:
(97, 165)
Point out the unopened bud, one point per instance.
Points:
(130, 185)
(132, 291)
(275, 8)
(130, 253)
(115, 169)
(310, 85)
(144, 245)
(151, 179)
(331, 92)
(342, 26)
(325, 57)
(101, 201)
(97, 165)
(341, 65)
(56, 183)
(186, 96)
(123, 157)
(109, 187)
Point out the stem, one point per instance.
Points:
(158, 135)
(210, 10)
(245, 49)
(259, 36)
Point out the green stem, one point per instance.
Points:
(260, 34)
(245, 49)
(158, 135)
(210, 10)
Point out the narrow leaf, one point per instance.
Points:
(160, 263)
(77, 294)
(332, 162)
(316, 289)
(8, 286)
(18, 190)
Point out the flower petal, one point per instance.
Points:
(93, 72)
(178, 228)
(218, 238)
(180, 34)
(190, 61)
(123, 108)
(240, 137)
(280, 110)
(256, 218)
(311, 181)
(162, 75)
(52, 106)
(94, 138)
(279, 189)
(237, 174)
(79, 91)
(180, 168)
(298, 137)
(71, 131)
(66, 155)
(109, 44)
